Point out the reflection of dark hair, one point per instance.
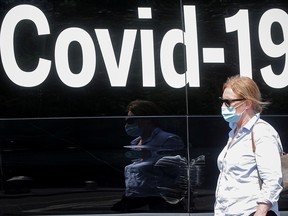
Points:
(144, 108)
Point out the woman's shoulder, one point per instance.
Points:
(264, 128)
(265, 131)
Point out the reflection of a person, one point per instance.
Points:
(239, 191)
(140, 176)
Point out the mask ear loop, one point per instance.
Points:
(239, 105)
(240, 114)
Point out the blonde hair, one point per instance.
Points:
(246, 88)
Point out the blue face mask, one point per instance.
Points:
(133, 130)
(229, 114)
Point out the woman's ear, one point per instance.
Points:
(249, 104)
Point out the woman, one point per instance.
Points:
(249, 182)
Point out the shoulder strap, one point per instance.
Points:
(252, 135)
(254, 148)
(253, 143)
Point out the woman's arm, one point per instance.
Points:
(262, 209)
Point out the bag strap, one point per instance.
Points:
(253, 143)
(254, 149)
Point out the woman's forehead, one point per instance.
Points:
(228, 93)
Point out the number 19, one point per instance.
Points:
(240, 23)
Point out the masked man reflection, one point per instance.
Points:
(141, 177)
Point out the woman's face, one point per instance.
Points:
(229, 94)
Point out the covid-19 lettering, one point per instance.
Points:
(118, 69)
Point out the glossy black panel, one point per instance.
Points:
(60, 166)
(103, 83)
(63, 144)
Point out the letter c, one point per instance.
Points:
(15, 74)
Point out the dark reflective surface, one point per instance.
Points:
(100, 97)
(76, 166)
(62, 148)
(57, 166)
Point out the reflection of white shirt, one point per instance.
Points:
(238, 190)
(140, 177)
